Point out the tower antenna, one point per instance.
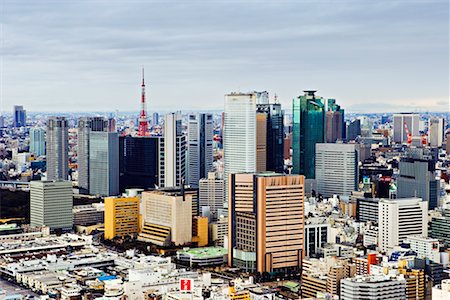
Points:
(143, 120)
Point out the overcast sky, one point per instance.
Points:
(372, 56)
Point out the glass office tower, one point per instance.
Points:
(308, 130)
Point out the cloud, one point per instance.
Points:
(79, 55)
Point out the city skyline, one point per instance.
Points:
(87, 56)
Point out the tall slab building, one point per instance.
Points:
(51, 204)
(274, 133)
(20, 116)
(266, 222)
(307, 131)
(200, 147)
(239, 142)
(336, 169)
(37, 141)
(139, 158)
(57, 140)
(104, 163)
(399, 219)
(436, 131)
(405, 122)
(173, 164)
(86, 125)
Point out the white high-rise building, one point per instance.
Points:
(211, 194)
(173, 171)
(436, 132)
(412, 122)
(51, 204)
(239, 142)
(336, 169)
(57, 149)
(200, 147)
(37, 141)
(399, 219)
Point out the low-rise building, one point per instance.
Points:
(203, 257)
(373, 288)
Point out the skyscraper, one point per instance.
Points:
(436, 132)
(139, 159)
(37, 141)
(399, 219)
(155, 119)
(174, 152)
(336, 169)
(333, 126)
(57, 140)
(308, 130)
(239, 142)
(334, 119)
(266, 222)
(86, 125)
(417, 178)
(353, 129)
(51, 204)
(405, 121)
(274, 136)
(103, 163)
(200, 147)
(20, 116)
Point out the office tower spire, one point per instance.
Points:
(143, 120)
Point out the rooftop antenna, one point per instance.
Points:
(275, 98)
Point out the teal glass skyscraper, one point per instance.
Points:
(308, 130)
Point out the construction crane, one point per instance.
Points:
(408, 134)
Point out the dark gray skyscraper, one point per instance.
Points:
(57, 139)
(86, 125)
(274, 136)
(200, 147)
(417, 179)
(353, 129)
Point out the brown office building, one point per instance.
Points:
(265, 222)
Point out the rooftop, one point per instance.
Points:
(205, 252)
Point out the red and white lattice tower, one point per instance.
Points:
(143, 120)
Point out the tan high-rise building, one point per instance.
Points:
(265, 221)
(261, 142)
(167, 217)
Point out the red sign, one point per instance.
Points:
(186, 285)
